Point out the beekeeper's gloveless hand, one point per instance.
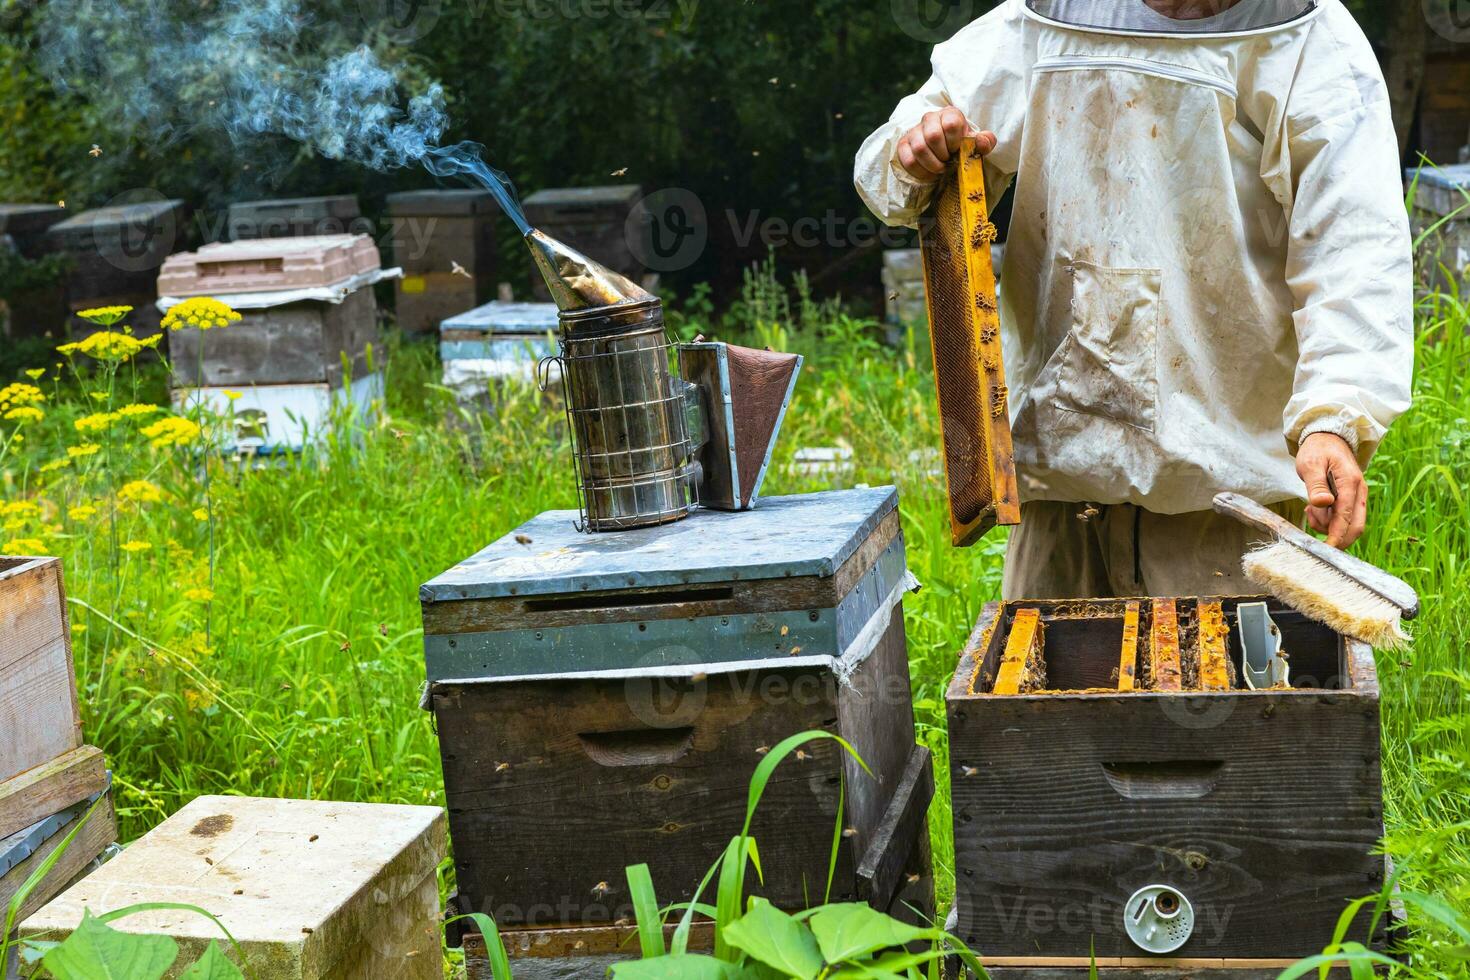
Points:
(927, 148)
(1337, 494)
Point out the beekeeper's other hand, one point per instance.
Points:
(1337, 494)
(925, 149)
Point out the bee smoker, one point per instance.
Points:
(650, 443)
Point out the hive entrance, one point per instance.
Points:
(1138, 645)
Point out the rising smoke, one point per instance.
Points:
(251, 69)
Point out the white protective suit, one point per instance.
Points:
(1209, 257)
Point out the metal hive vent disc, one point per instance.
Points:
(1159, 919)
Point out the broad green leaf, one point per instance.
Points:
(851, 930)
(213, 965)
(767, 934)
(645, 911)
(675, 966)
(98, 952)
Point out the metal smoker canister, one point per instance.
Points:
(627, 416)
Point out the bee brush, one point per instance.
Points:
(1330, 586)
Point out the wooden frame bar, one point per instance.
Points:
(1025, 639)
(1214, 662)
(1128, 665)
(1164, 668)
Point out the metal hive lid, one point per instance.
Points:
(786, 537)
(500, 317)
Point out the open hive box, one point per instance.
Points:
(1103, 748)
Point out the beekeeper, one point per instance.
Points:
(1208, 280)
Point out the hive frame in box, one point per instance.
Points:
(969, 374)
(1227, 795)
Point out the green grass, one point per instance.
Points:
(302, 677)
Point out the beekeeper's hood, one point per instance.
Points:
(1199, 18)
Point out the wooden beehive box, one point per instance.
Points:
(295, 216)
(602, 700)
(26, 225)
(116, 251)
(1132, 756)
(604, 223)
(38, 691)
(497, 342)
(310, 889)
(47, 775)
(307, 344)
(436, 233)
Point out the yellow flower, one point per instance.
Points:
(198, 595)
(14, 524)
(140, 492)
(20, 393)
(85, 449)
(197, 700)
(133, 547)
(232, 395)
(98, 396)
(97, 422)
(35, 373)
(20, 508)
(24, 413)
(82, 512)
(105, 316)
(24, 546)
(79, 627)
(137, 410)
(54, 465)
(107, 345)
(200, 514)
(172, 431)
(201, 312)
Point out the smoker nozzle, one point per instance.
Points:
(577, 282)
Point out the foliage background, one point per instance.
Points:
(757, 106)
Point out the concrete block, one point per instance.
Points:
(310, 889)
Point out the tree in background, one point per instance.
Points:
(755, 108)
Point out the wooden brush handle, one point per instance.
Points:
(1392, 590)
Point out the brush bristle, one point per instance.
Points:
(1322, 593)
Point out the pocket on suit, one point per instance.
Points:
(1109, 361)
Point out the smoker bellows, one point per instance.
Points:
(650, 444)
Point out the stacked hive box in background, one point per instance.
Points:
(903, 289)
(607, 223)
(310, 889)
(1442, 202)
(116, 253)
(304, 349)
(48, 775)
(603, 700)
(295, 217)
(38, 307)
(1101, 747)
(496, 342)
(444, 240)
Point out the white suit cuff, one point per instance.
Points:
(1336, 426)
